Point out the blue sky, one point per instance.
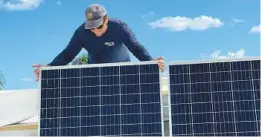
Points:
(35, 31)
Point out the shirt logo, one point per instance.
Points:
(109, 44)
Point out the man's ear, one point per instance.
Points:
(106, 20)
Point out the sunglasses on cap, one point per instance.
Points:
(101, 26)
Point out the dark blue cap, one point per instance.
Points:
(94, 16)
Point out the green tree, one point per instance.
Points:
(2, 80)
(82, 59)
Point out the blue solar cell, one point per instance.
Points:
(101, 100)
(215, 98)
(255, 65)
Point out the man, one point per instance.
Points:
(106, 40)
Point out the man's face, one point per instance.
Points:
(101, 29)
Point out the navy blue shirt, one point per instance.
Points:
(111, 47)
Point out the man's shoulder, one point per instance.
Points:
(80, 28)
(117, 23)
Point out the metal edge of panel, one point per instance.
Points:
(161, 104)
(98, 65)
(213, 60)
(169, 103)
(40, 108)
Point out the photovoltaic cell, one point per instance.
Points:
(100, 100)
(219, 98)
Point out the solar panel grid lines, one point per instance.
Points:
(213, 98)
(212, 107)
(252, 77)
(102, 99)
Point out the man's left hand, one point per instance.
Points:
(161, 64)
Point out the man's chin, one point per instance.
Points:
(99, 35)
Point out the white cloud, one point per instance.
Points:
(27, 79)
(216, 54)
(147, 14)
(179, 23)
(236, 20)
(255, 29)
(21, 4)
(238, 54)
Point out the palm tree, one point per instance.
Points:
(82, 59)
(1, 80)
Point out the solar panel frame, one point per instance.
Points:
(188, 62)
(191, 62)
(100, 65)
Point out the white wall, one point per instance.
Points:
(18, 105)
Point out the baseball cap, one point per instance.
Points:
(94, 16)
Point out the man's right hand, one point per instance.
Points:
(37, 70)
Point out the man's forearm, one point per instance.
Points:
(69, 53)
(137, 49)
(141, 53)
(61, 59)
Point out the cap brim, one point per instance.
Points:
(93, 24)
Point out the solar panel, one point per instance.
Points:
(101, 99)
(215, 98)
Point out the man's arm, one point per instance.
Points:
(133, 44)
(92, 59)
(69, 53)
